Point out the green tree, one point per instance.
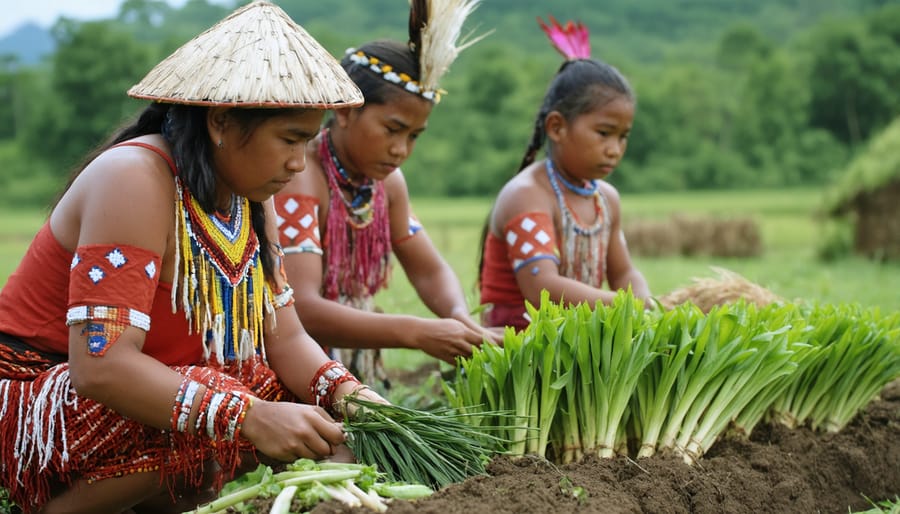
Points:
(8, 96)
(741, 46)
(94, 66)
(854, 78)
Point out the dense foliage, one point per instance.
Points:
(745, 93)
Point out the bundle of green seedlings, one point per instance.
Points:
(854, 353)
(306, 483)
(437, 447)
(568, 377)
(710, 370)
(615, 379)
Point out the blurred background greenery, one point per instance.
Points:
(732, 94)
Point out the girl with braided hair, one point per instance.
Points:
(341, 219)
(556, 225)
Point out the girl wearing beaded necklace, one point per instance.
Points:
(556, 225)
(341, 220)
(166, 227)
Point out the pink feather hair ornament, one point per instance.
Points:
(573, 40)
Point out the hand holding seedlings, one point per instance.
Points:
(288, 431)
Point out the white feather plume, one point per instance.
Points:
(441, 42)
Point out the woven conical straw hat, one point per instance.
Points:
(256, 57)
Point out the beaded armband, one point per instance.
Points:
(111, 288)
(297, 218)
(415, 226)
(220, 415)
(284, 298)
(325, 382)
(529, 238)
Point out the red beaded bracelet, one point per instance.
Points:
(325, 382)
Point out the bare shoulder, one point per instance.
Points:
(612, 196)
(528, 191)
(311, 181)
(124, 196)
(396, 188)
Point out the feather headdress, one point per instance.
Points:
(434, 36)
(434, 40)
(572, 40)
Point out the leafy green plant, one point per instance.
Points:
(305, 483)
(6, 505)
(882, 507)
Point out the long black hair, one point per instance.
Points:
(184, 128)
(579, 86)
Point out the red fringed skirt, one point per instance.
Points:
(49, 435)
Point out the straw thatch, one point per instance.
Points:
(868, 191)
(256, 57)
(728, 287)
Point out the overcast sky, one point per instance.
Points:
(45, 12)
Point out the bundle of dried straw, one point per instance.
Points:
(728, 287)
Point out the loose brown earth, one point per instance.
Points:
(778, 470)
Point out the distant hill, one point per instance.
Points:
(28, 43)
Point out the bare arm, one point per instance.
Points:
(117, 200)
(337, 325)
(432, 277)
(124, 198)
(620, 270)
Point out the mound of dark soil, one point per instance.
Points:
(778, 470)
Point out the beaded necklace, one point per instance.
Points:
(584, 247)
(589, 188)
(219, 274)
(357, 255)
(359, 206)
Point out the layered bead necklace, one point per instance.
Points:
(584, 247)
(219, 276)
(359, 206)
(357, 239)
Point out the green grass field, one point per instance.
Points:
(788, 266)
(791, 233)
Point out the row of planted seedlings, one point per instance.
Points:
(621, 380)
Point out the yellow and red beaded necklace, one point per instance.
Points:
(220, 277)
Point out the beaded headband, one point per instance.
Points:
(386, 71)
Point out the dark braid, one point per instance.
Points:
(418, 18)
(537, 140)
